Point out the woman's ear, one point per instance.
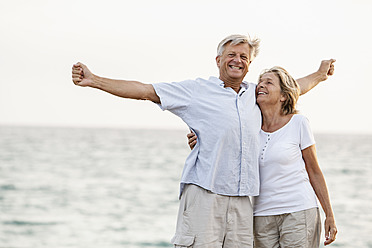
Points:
(283, 98)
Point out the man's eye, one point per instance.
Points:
(244, 57)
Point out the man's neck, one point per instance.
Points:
(234, 84)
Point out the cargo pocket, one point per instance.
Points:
(183, 240)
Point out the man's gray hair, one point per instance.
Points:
(236, 39)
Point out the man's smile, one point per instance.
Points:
(235, 67)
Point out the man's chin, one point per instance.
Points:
(237, 77)
(237, 74)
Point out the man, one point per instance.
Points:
(222, 170)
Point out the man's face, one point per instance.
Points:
(234, 62)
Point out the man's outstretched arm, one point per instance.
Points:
(82, 76)
(325, 70)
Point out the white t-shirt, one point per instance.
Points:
(284, 183)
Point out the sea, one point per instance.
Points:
(114, 188)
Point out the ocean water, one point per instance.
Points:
(76, 187)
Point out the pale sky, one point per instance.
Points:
(168, 40)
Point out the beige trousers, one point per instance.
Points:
(298, 229)
(208, 220)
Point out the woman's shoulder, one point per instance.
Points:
(299, 120)
(299, 117)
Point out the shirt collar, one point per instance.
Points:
(243, 86)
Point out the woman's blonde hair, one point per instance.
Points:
(289, 88)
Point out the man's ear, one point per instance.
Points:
(218, 59)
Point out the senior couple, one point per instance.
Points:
(248, 141)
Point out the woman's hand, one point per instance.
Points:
(192, 139)
(330, 230)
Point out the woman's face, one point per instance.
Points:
(268, 92)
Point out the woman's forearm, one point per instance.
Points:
(325, 70)
(317, 179)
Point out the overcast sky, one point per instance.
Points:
(168, 40)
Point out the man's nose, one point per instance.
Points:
(237, 59)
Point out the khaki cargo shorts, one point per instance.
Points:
(298, 229)
(208, 220)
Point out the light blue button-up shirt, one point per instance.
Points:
(227, 124)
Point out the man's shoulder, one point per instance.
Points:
(211, 82)
(198, 80)
(211, 79)
(249, 86)
(189, 83)
(249, 83)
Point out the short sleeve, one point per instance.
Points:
(307, 137)
(175, 97)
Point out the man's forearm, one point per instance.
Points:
(126, 89)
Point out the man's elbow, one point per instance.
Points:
(150, 94)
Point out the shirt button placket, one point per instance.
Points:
(243, 164)
(265, 147)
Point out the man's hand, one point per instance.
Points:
(326, 69)
(192, 139)
(81, 75)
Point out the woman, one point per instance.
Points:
(286, 213)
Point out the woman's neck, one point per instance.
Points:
(273, 119)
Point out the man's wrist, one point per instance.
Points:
(96, 81)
